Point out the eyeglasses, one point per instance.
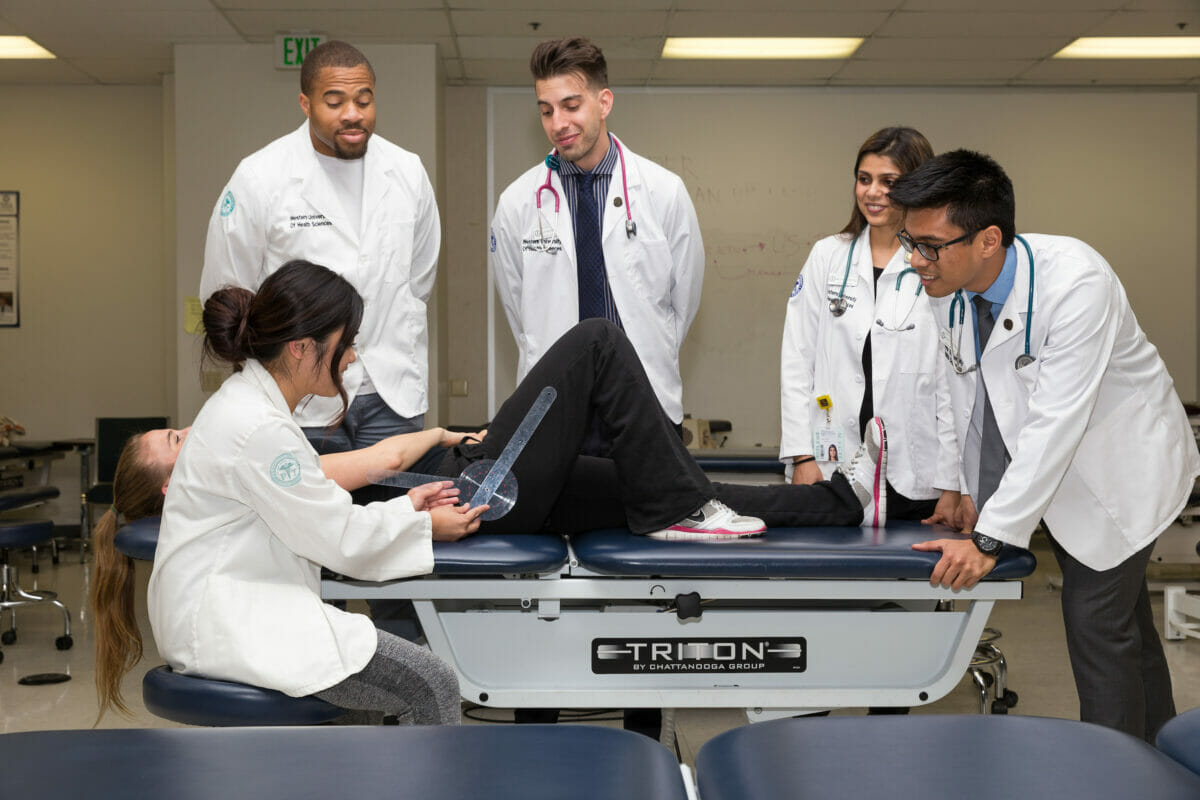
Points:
(929, 252)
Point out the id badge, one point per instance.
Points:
(829, 444)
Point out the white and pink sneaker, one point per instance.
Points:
(713, 521)
(867, 473)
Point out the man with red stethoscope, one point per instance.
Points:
(596, 231)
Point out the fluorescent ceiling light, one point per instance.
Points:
(22, 47)
(759, 48)
(1132, 47)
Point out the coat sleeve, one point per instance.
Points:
(687, 256)
(427, 240)
(1073, 358)
(504, 256)
(281, 480)
(236, 246)
(798, 357)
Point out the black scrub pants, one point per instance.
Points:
(650, 482)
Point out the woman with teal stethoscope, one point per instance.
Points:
(860, 340)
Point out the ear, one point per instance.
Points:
(606, 102)
(306, 105)
(992, 240)
(164, 486)
(297, 347)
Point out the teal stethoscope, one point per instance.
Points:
(954, 353)
(838, 305)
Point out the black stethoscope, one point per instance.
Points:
(552, 165)
(954, 353)
(838, 305)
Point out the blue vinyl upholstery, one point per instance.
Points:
(980, 757)
(203, 701)
(496, 762)
(1180, 739)
(818, 553)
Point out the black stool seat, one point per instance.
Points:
(27, 497)
(25, 533)
(214, 703)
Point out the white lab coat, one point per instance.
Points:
(280, 205)
(822, 355)
(248, 523)
(656, 276)
(1101, 446)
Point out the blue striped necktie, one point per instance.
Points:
(589, 253)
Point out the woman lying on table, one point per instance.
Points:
(251, 513)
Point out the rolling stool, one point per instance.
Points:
(224, 704)
(15, 534)
(205, 701)
(989, 669)
(29, 498)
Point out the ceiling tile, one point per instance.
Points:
(558, 5)
(327, 5)
(930, 72)
(91, 32)
(1014, 5)
(395, 26)
(1113, 71)
(765, 23)
(126, 70)
(511, 47)
(41, 72)
(1017, 23)
(745, 73)
(790, 6)
(960, 48)
(595, 24)
(1150, 23)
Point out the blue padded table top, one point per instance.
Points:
(27, 497)
(980, 757)
(475, 555)
(820, 552)
(491, 554)
(499, 762)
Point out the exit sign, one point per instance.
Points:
(291, 48)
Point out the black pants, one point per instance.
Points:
(651, 481)
(1120, 669)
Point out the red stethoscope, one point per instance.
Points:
(552, 166)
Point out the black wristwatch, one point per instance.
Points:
(986, 544)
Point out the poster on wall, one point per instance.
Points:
(10, 217)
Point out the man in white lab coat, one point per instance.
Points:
(596, 231)
(1057, 396)
(332, 193)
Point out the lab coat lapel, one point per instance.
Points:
(1011, 320)
(614, 217)
(377, 184)
(563, 222)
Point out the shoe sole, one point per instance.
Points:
(702, 536)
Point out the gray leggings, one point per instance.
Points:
(404, 679)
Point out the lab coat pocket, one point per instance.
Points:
(1119, 457)
(648, 268)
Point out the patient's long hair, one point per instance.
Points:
(137, 493)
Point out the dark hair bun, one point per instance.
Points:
(226, 314)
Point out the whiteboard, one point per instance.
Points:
(770, 172)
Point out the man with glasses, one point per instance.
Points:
(1057, 396)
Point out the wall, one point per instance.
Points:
(229, 102)
(88, 163)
